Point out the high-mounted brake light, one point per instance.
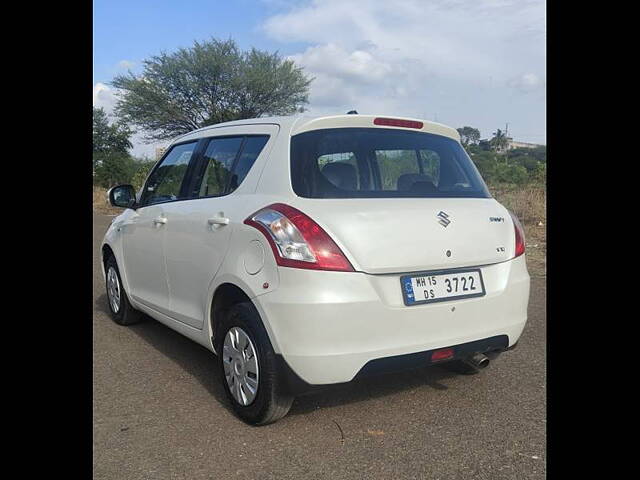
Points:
(520, 243)
(297, 241)
(397, 122)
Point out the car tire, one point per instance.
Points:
(121, 310)
(258, 397)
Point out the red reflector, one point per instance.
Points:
(396, 122)
(442, 354)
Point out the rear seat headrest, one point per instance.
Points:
(341, 175)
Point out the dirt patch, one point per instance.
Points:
(101, 202)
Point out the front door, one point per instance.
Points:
(143, 234)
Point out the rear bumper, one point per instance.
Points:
(329, 327)
(379, 366)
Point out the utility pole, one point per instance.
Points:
(506, 135)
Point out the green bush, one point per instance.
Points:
(519, 166)
(487, 164)
(112, 168)
(508, 173)
(528, 162)
(140, 175)
(539, 175)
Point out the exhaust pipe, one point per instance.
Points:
(477, 361)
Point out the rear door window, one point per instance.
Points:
(378, 163)
(220, 156)
(227, 161)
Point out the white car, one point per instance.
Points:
(310, 251)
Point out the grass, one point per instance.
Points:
(528, 202)
(101, 202)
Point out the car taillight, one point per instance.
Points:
(297, 241)
(520, 243)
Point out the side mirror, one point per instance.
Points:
(122, 196)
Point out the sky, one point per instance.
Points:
(480, 63)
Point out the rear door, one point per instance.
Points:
(399, 201)
(143, 234)
(199, 229)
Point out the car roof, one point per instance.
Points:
(296, 124)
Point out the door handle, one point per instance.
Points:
(218, 221)
(159, 221)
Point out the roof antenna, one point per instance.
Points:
(352, 112)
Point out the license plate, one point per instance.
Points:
(440, 286)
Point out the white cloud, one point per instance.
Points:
(461, 60)
(450, 37)
(359, 65)
(125, 65)
(104, 96)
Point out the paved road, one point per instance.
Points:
(159, 412)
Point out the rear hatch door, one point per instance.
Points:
(408, 235)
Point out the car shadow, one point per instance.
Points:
(372, 387)
(190, 356)
(202, 365)
(101, 305)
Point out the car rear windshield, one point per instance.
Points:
(381, 163)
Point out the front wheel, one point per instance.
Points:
(121, 310)
(248, 366)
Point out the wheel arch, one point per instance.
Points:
(225, 295)
(107, 251)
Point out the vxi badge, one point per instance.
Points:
(443, 219)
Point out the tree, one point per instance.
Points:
(113, 168)
(469, 136)
(109, 137)
(143, 168)
(112, 163)
(485, 145)
(499, 141)
(209, 83)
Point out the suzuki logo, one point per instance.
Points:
(443, 219)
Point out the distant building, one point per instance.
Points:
(159, 152)
(513, 144)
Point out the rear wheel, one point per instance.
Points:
(248, 366)
(121, 310)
